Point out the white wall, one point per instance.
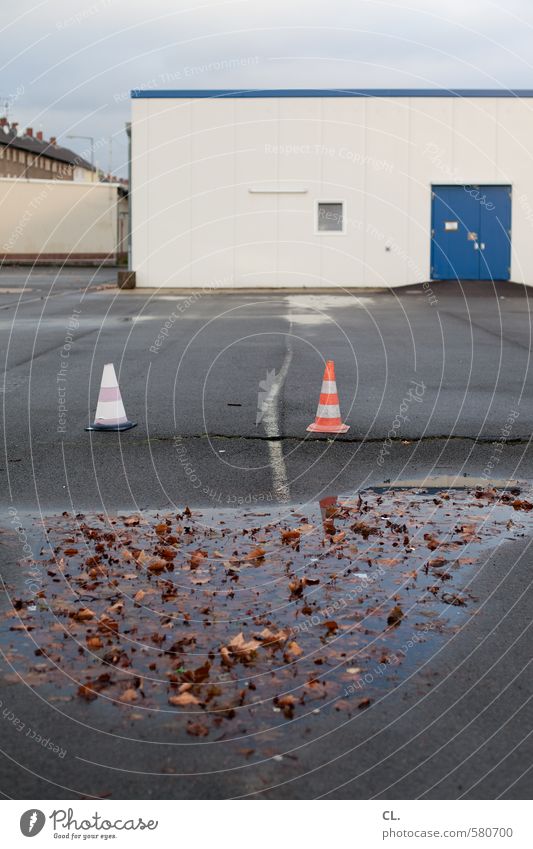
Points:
(196, 223)
(43, 218)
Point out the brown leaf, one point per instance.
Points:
(157, 566)
(197, 558)
(86, 693)
(522, 505)
(452, 598)
(129, 695)
(83, 615)
(296, 586)
(168, 553)
(70, 552)
(106, 624)
(256, 554)
(243, 649)
(364, 703)
(286, 703)
(290, 537)
(340, 537)
(364, 529)
(292, 651)
(201, 673)
(197, 729)
(271, 638)
(131, 521)
(395, 617)
(227, 659)
(437, 562)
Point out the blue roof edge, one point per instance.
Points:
(332, 92)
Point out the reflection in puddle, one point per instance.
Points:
(223, 623)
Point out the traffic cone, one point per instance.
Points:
(110, 412)
(328, 414)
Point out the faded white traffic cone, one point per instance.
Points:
(110, 412)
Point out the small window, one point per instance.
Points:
(330, 217)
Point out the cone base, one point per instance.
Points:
(342, 428)
(115, 427)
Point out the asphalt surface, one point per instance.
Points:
(195, 392)
(469, 354)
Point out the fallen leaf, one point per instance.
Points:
(197, 558)
(340, 537)
(131, 521)
(292, 650)
(395, 616)
(197, 729)
(83, 615)
(243, 649)
(183, 700)
(286, 703)
(256, 554)
(290, 536)
(129, 695)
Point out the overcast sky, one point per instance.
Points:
(68, 66)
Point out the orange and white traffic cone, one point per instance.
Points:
(110, 412)
(328, 414)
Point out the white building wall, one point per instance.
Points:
(57, 219)
(198, 165)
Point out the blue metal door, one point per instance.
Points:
(471, 235)
(495, 233)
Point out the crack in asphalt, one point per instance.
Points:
(359, 440)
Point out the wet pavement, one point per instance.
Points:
(282, 640)
(252, 633)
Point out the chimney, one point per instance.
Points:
(53, 140)
(14, 126)
(3, 122)
(39, 135)
(29, 132)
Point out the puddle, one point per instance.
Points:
(226, 622)
(431, 482)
